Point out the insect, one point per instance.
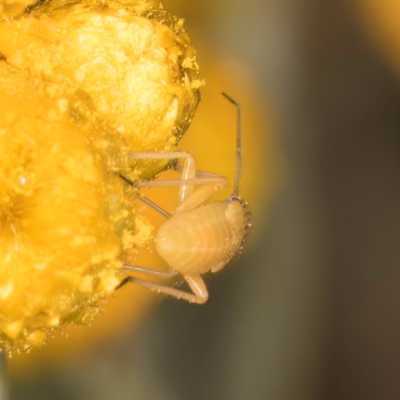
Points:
(197, 237)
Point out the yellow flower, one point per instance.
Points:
(81, 86)
(129, 71)
(59, 253)
(382, 20)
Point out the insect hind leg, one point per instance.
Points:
(196, 283)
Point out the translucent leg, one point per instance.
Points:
(196, 198)
(220, 181)
(199, 196)
(188, 198)
(150, 271)
(196, 283)
(188, 170)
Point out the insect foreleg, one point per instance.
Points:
(188, 169)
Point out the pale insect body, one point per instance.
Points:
(203, 239)
(198, 237)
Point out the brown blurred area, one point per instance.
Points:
(312, 310)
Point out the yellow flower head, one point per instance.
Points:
(128, 68)
(58, 252)
(81, 86)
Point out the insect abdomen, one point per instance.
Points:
(205, 238)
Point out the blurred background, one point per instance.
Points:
(311, 309)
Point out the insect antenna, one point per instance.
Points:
(146, 200)
(238, 146)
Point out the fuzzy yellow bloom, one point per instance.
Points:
(81, 86)
(58, 252)
(129, 71)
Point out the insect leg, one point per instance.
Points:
(199, 295)
(199, 288)
(188, 199)
(199, 196)
(188, 169)
(146, 200)
(211, 181)
(216, 180)
(150, 271)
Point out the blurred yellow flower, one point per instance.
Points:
(382, 21)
